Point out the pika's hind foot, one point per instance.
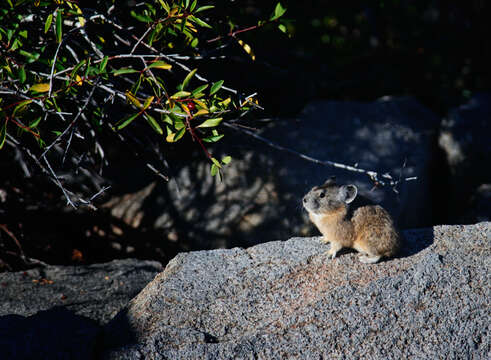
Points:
(334, 250)
(366, 259)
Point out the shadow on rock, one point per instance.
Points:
(52, 334)
(416, 240)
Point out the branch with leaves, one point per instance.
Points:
(64, 68)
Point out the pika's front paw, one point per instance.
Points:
(324, 240)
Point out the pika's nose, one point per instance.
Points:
(304, 200)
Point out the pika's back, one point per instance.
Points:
(374, 228)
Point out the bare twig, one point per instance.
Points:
(70, 125)
(13, 237)
(73, 122)
(158, 173)
(99, 193)
(141, 39)
(56, 57)
(58, 183)
(373, 175)
(52, 175)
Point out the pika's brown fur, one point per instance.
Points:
(370, 230)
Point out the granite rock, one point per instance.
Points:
(286, 299)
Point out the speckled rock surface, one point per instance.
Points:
(286, 299)
(95, 291)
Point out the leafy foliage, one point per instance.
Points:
(65, 71)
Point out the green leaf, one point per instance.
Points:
(187, 4)
(103, 64)
(214, 170)
(278, 12)
(3, 133)
(199, 21)
(152, 35)
(193, 5)
(125, 122)
(31, 56)
(154, 124)
(168, 119)
(216, 162)
(147, 102)
(48, 22)
(42, 87)
(210, 123)
(142, 18)
(282, 28)
(164, 5)
(226, 160)
(179, 124)
(58, 26)
(35, 122)
(87, 68)
(22, 75)
(180, 134)
(188, 78)
(180, 94)
(199, 89)
(216, 86)
(124, 71)
(203, 8)
(21, 106)
(160, 65)
(76, 68)
(195, 42)
(212, 139)
(137, 84)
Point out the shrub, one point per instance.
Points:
(73, 80)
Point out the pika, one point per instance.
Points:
(370, 230)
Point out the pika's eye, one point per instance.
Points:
(322, 194)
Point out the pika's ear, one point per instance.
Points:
(330, 181)
(347, 193)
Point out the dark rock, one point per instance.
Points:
(96, 291)
(288, 300)
(465, 139)
(52, 334)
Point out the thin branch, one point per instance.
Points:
(70, 125)
(52, 175)
(99, 193)
(14, 238)
(156, 172)
(141, 39)
(373, 175)
(58, 183)
(56, 57)
(168, 58)
(233, 33)
(53, 68)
